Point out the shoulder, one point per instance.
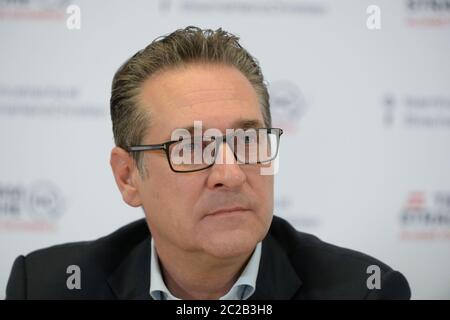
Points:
(43, 273)
(306, 246)
(330, 271)
(107, 248)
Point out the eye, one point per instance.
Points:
(195, 146)
(191, 146)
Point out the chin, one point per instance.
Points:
(231, 244)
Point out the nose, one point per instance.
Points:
(226, 173)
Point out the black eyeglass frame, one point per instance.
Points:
(166, 145)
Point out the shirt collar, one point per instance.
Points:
(242, 289)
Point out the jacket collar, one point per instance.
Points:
(276, 279)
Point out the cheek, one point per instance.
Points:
(169, 201)
(265, 193)
(263, 187)
(184, 196)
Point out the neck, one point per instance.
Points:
(197, 275)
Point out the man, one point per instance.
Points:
(209, 230)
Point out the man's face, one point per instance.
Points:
(179, 206)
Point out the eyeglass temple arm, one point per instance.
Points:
(146, 148)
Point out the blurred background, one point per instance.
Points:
(362, 93)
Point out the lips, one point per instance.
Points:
(228, 210)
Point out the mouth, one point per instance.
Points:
(228, 211)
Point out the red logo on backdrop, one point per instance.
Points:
(426, 216)
(33, 10)
(428, 13)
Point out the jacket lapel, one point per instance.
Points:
(277, 278)
(131, 279)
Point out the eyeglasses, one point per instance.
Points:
(190, 154)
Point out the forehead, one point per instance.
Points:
(217, 95)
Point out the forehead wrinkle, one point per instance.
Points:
(208, 103)
(199, 97)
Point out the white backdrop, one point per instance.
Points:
(365, 159)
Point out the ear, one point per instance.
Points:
(126, 176)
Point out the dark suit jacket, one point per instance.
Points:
(294, 265)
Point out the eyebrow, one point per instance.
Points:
(248, 124)
(241, 124)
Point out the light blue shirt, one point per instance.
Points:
(242, 289)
